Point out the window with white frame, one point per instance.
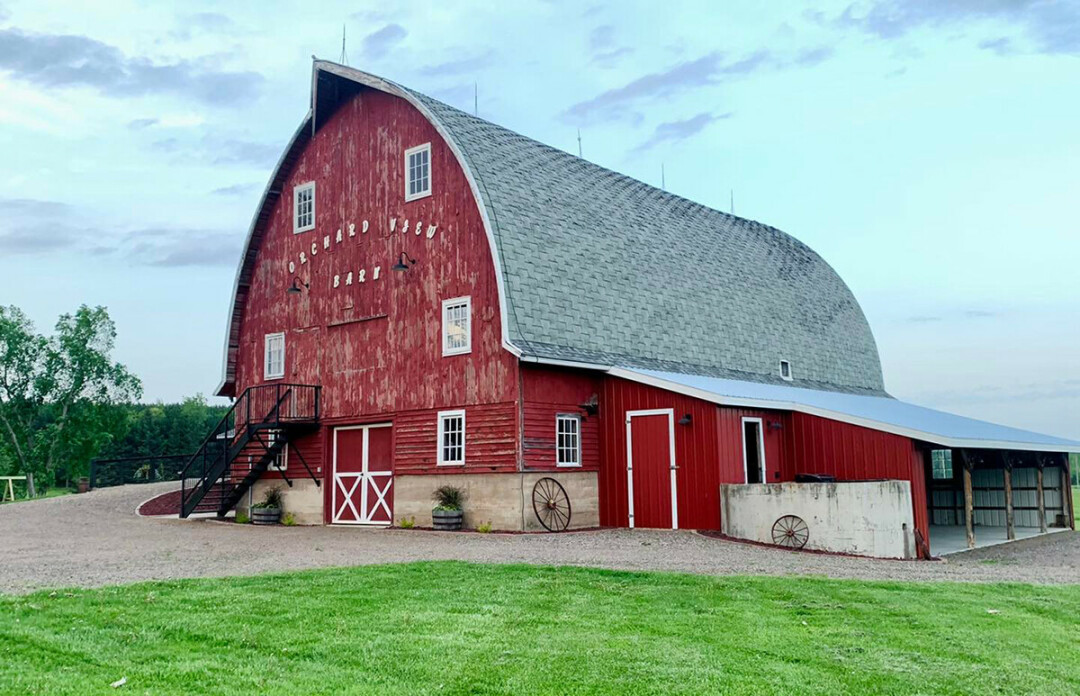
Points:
(456, 326)
(941, 461)
(304, 207)
(281, 460)
(785, 370)
(274, 356)
(568, 440)
(451, 437)
(418, 172)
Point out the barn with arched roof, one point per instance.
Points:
(426, 298)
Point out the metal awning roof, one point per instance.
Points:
(877, 412)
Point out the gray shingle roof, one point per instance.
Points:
(600, 267)
(604, 269)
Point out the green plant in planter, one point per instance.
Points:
(268, 511)
(447, 513)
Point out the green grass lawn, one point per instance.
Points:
(20, 493)
(457, 628)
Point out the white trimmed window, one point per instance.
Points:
(451, 438)
(568, 440)
(418, 172)
(456, 326)
(785, 370)
(304, 207)
(281, 461)
(274, 356)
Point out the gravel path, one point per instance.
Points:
(97, 539)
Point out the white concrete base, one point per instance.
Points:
(865, 518)
(949, 539)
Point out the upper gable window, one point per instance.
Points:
(418, 172)
(274, 356)
(304, 207)
(456, 326)
(785, 370)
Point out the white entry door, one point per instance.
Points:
(363, 490)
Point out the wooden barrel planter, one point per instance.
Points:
(447, 520)
(265, 515)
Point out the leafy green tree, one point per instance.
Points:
(58, 394)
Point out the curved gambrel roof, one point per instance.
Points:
(599, 269)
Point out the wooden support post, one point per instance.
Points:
(1010, 525)
(1066, 493)
(969, 502)
(1039, 493)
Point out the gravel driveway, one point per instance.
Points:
(97, 539)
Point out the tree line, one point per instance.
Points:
(65, 401)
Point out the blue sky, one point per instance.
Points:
(927, 150)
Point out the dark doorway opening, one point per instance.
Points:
(753, 451)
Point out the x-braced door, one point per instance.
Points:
(363, 490)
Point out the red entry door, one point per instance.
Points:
(363, 490)
(650, 464)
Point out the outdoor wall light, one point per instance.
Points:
(403, 262)
(295, 288)
(686, 420)
(775, 425)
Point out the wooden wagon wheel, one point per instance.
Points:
(790, 532)
(551, 504)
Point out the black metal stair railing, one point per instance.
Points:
(280, 408)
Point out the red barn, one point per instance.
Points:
(427, 298)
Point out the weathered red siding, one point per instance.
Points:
(547, 392)
(490, 442)
(375, 346)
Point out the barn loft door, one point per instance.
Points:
(363, 490)
(650, 469)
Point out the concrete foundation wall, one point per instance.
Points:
(304, 500)
(867, 518)
(503, 500)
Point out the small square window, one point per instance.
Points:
(568, 440)
(274, 356)
(418, 172)
(457, 326)
(785, 370)
(304, 207)
(941, 461)
(451, 438)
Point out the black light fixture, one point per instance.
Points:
(294, 289)
(403, 262)
(776, 425)
(686, 419)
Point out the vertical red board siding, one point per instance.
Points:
(375, 345)
(650, 449)
(854, 453)
(546, 393)
(708, 451)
